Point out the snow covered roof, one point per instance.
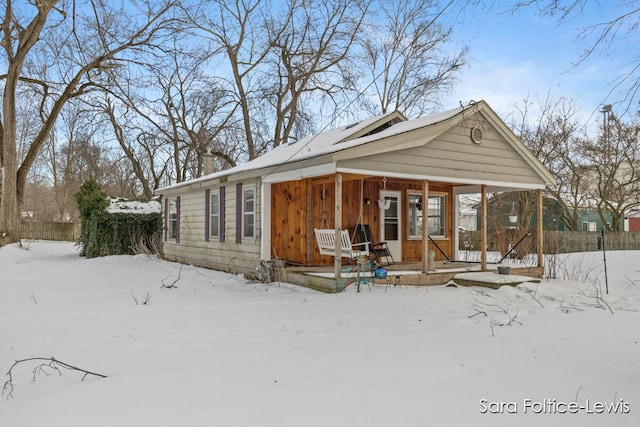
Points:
(333, 141)
(375, 129)
(123, 205)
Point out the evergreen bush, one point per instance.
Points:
(123, 234)
(91, 202)
(103, 233)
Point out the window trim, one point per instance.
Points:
(173, 224)
(246, 189)
(214, 217)
(432, 194)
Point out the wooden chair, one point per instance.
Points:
(380, 249)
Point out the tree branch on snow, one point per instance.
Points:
(145, 300)
(49, 364)
(477, 311)
(566, 306)
(481, 292)
(482, 308)
(173, 284)
(533, 294)
(597, 295)
(511, 319)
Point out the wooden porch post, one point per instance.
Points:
(425, 226)
(483, 228)
(309, 207)
(337, 259)
(540, 234)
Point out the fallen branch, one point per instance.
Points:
(172, 285)
(478, 311)
(566, 306)
(533, 294)
(145, 300)
(48, 363)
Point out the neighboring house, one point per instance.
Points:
(500, 215)
(468, 213)
(632, 221)
(509, 206)
(380, 169)
(589, 220)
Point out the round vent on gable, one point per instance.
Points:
(476, 135)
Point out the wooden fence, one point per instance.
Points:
(61, 231)
(580, 241)
(556, 241)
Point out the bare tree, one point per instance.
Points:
(601, 34)
(554, 137)
(404, 54)
(171, 130)
(615, 171)
(285, 64)
(63, 156)
(60, 53)
(236, 31)
(137, 164)
(310, 60)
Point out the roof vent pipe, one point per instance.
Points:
(209, 167)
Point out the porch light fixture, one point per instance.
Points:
(382, 203)
(513, 215)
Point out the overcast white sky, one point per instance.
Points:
(518, 55)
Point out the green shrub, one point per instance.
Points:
(91, 202)
(103, 233)
(123, 234)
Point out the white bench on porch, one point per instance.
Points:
(326, 238)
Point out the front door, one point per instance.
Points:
(391, 222)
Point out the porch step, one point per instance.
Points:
(491, 280)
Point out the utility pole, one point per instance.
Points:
(607, 116)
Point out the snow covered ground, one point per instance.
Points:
(217, 350)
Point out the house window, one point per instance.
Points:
(214, 214)
(436, 219)
(415, 216)
(589, 226)
(173, 219)
(248, 213)
(436, 211)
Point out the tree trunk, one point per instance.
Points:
(10, 229)
(10, 210)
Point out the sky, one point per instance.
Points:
(519, 55)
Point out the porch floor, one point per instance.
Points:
(404, 273)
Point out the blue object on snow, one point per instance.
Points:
(381, 273)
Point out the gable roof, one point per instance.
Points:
(431, 127)
(322, 143)
(307, 148)
(376, 135)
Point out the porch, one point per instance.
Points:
(323, 278)
(402, 180)
(413, 230)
